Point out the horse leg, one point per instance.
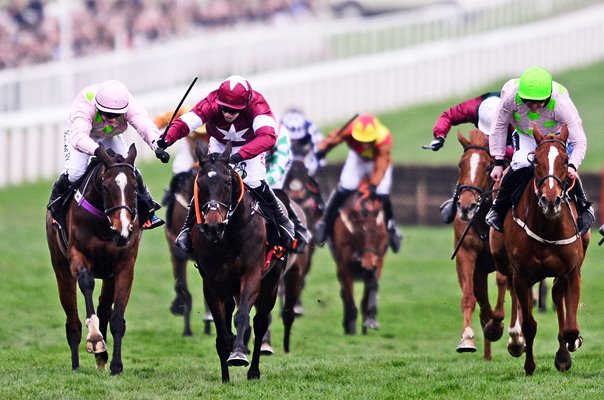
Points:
(250, 288)
(266, 301)
(516, 343)
(73, 325)
(266, 349)
(347, 295)
(529, 325)
(465, 262)
(563, 359)
(542, 295)
(104, 313)
(207, 319)
(493, 329)
(95, 342)
(224, 338)
(369, 302)
(117, 322)
(292, 288)
(481, 293)
(182, 303)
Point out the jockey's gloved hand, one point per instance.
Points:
(437, 143)
(162, 154)
(235, 158)
(161, 143)
(372, 190)
(320, 154)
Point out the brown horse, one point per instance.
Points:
(358, 245)
(181, 193)
(540, 240)
(103, 235)
(229, 240)
(471, 233)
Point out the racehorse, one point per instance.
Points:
(101, 239)
(180, 195)
(229, 239)
(358, 244)
(541, 239)
(471, 234)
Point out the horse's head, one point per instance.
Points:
(218, 191)
(474, 179)
(117, 180)
(365, 222)
(551, 170)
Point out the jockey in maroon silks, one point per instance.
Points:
(479, 111)
(235, 112)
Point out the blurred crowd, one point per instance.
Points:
(30, 30)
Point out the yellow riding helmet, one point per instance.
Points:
(365, 128)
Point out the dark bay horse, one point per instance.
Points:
(540, 240)
(358, 245)
(229, 246)
(473, 258)
(103, 234)
(180, 195)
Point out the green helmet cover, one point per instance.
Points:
(535, 84)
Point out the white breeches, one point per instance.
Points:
(356, 168)
(252, 171)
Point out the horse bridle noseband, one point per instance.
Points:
(563, 185)
(214, 205)
(482, 194)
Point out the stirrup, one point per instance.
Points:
(494, 220)
(447, 211)
(153, 222)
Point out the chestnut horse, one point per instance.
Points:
(358, 245)
(229, 245)
(473, 257)
(541, 239)
(102, 235)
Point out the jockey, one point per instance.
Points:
(100, 114)
(535, 99)
(370, 143)
(305, 137)
(278, 161)
(237, 113)
(479, 111)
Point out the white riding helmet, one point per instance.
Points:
(112, 97)
(486, 114)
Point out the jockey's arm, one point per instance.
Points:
(382, 160)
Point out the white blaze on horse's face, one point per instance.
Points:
(211, 174)
(474, 162)
(121, 180)
(551, 158)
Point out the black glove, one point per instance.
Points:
(162, 154)
(320, 154)
(162, 144)
(372, 190)
(235, 158)
(437, 143)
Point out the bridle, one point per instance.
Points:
(564, 185)
(480, 194)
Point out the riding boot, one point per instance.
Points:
(323, 228)
(59, 189)
(302, 234)
(147, 205)
(286, 227)
(315, 193)
(183, 240)
(584, 208)
(512, 181)
(394, 236)
(448, 209)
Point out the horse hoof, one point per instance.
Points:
(177, 309)
(563, 361)
(266, 349)
(466, 345)
(96, 346)
(371, 324)
(237, 359)
(516, 349)
(578, 342)
(492, 331)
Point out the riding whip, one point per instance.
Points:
(163, 136)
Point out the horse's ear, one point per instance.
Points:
(131, 154)
(103, 153)
(537, 133)
(201, 150)
(564, 133)
(227, 150)
(462, 139)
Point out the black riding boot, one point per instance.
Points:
(394, 236)
(183, 240)
(315, 193)
(302, 234)
(286, 227)
(59, 189)
(448, 209)
(512, 181)
(586, 212)
(146, 205)
(323, 228)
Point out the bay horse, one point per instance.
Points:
(100, 241)
(180, 195)
(229, 244)
(541, 239)
(473, 258)
(358, 244)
